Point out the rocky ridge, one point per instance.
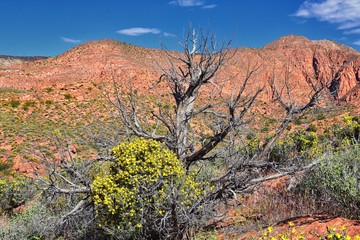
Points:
(304, 63)
(11, 60)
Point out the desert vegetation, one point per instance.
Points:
(168, 166)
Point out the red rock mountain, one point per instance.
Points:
(302, 62)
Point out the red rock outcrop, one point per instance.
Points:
(317, 62)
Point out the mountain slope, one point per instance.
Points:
(302, 61)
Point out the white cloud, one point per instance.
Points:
(188, 3)
(70, 40)
(193, 3)
(166, 34)
(357, 42)
(344, 13)
(353, 31)
(137, 31)
(211, 6)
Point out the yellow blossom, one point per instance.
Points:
(330, 236)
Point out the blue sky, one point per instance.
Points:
(50, 27)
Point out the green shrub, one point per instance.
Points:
(49, 89)
(298, 122)
(28, 104)
(5, 166)
(14, 103)
(25, 225)
(335, 183)
(339, 175)
(321, 116)
(145, 191)
(305, 143)
(38, 222)
(253, 144)
(68, 96)
(348, 134)
(311, 128)
(14, 192)
(297, 145)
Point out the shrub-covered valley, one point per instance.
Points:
(114, 141)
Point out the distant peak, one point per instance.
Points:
(288, 41)
(295, 41)
(293, 38)
(106, 41)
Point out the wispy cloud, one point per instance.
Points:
(193, 3)
(210, 6)
(343, 13)
(188, 3)
(166, 34)
(357, 42)
(353, 31)
(70, 40)
(137, 31)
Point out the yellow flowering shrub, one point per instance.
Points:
(14, 192)
(348, 134)
(292, 234)
(139, 188)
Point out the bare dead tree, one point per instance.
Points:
(244, 172)
(198, 95)
(290, 105)
(190, 74)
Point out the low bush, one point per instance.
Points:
(348, 134)
(296, 146)
(68, 96)
(336, 182)
(28, 104)
(14, 103)
(15, 192)
(49, 89)
(33, 224)
(311, 128)
(146, 192)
